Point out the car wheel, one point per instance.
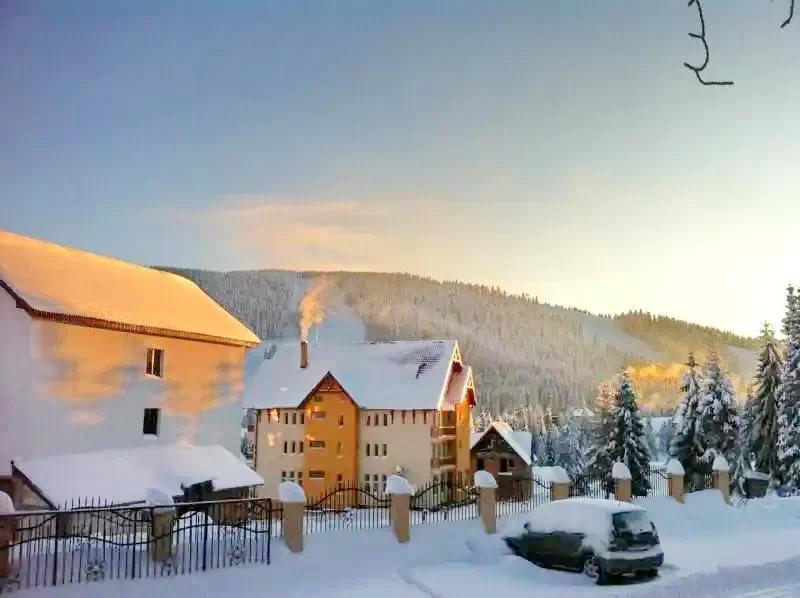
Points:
(651, 573)
(592, 568)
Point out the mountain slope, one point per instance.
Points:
(525, 353)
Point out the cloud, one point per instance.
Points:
(281, 232)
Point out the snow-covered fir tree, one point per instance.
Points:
(650, 438)
(569, 449)
(717, 415)
(788, 435)
(684, 445)
(624, 441)
(761, 412)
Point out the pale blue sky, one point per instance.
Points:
(556, 148)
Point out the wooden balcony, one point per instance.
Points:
(437, 462)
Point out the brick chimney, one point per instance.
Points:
(303, 354)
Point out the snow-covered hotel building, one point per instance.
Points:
(97, 354)
(333, 415)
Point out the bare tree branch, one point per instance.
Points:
(791, 14)
(697, 70)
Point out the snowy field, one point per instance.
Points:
(711, 550)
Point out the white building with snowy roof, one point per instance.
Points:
(97, 354)
(332, 415)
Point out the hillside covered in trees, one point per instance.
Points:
(526, 353)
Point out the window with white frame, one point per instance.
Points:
(155, 363)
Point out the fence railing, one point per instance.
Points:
(91, 543)
(520, 494)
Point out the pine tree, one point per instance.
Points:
(788, 441)
(684, 445)
(623, 440)
(717, 417)
(761, 411)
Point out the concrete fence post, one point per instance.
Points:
(293, 503)
(675, 474)
(7, 528)
(558, 479)
(722, 477)
(487, 505)
(400, 491)
(161, 526)
(622, 481)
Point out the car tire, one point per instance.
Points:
(594, 570)
(651, 573)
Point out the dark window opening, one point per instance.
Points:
(479, 464)
(150, 422)
(503, 466)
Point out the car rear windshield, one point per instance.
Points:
(632, 523)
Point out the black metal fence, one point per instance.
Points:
(90, 542)
(348, 506)
(519, 495)
(659, 482)
(588, 486)
(696, 483)
(444, 500)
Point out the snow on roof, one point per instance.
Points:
(52, 280)
(674, 467)
(720, 463)
(518, 440)
(554, 475)
(459, 383)
(408, 374)
(120, 476)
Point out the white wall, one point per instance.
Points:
(67, 388)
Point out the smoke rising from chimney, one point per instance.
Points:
(313, 305)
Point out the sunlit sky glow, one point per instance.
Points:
(555, 148)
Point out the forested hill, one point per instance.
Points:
(525, 353)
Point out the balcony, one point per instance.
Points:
(443, 431)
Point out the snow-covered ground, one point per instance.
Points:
(711, 550)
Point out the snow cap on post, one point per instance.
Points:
(291, 492)
(6, 504)
(620, 471)
(674, 467)
(483, 479)
(554, 475)
(397, 484)
(720, 463)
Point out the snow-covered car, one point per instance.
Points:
(602, 538)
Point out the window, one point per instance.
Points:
(302, 418)
(291, 475)
(503, 466)
(155, 362)
(385, 450)
(317, 398)
(316, 475)
(294, 419)
(403, 416)
(339, 449)
(318, 415)
(285, 418)
(316, 444)
(377, 420)
(366, 478)
(375, 477)
(341, 420)
(368, 420)
(376, 450)
(294, 447)
(424, 417)
(300, 477)
(150, 422)
(301, 447)
(368, 450)
(339, 483)
(339, 477)
(283, 476)
(511, 464)
(479, 464)
(285, 447)
(385, 419)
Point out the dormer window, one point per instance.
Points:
(155, 363)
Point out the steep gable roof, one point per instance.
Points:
(404, 374)
(518, 440)
(59, 283)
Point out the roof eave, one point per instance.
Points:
(123, 327)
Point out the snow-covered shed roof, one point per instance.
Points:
(407, 374)
(64, 284)
(518, 440)
(122, 476)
